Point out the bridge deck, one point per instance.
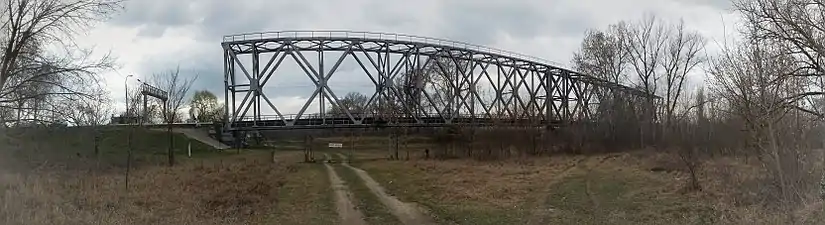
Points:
(346, 122)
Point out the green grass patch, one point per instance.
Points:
(604, 196)
(107, 146)
(305, 197)
(620, 198)
(413, 185)
(368, 203)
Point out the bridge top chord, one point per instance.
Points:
(330, 34)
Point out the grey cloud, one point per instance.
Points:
(203, 62)
(479, 23)
(151, 31)
(212, 18)
(471, 21)
(463, 20)
(720, 4)
(154, 17)
(225, 17)
(409, 17)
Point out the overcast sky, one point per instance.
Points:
(153, 36)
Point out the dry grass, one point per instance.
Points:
(467, 191)
(368, 203)
(240, 189)
(641, 187)
(305, 198)
(739, 187)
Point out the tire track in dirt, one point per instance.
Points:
(407, 213)
(540, 208)
(347, 211)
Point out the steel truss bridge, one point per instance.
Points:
(415, 81)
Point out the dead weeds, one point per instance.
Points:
(622, 187)
(235, 189)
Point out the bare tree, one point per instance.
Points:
(177, 86)
(140, 113)
(682, 54)
(28, 73)
(354, 103)
(755, 79)
(656, 54)
(696, 137)
(796, 24)
(797, 27)
(93, 111)
(603, 54)
(645, 43)
(441, 84)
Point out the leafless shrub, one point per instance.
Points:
(177, 86)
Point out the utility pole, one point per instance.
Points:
(126, 119)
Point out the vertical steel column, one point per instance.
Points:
(451, 78)
(497, 100)
(387, 71)
(253, 86)
(323, 82)
(234, 89)
(456, 107)
(226, 90)
(382, 98)
(472, 92)
(379, 86)
(566, 90)
(418, 83)
(548, 97)
(534, 95)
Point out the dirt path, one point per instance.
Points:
(347, 211)
(541, 210)
(407, 213)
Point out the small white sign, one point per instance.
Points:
(336, 145)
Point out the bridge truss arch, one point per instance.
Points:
(415, 81)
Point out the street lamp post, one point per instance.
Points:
(126, 87)
(129, 138)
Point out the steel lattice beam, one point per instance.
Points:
(441, 83)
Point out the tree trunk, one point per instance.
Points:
(783, 184)
(171, 151)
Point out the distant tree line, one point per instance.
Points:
(64, 85)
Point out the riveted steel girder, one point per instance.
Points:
(417, 81)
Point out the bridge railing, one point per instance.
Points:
(291, 117)
(384, 36)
